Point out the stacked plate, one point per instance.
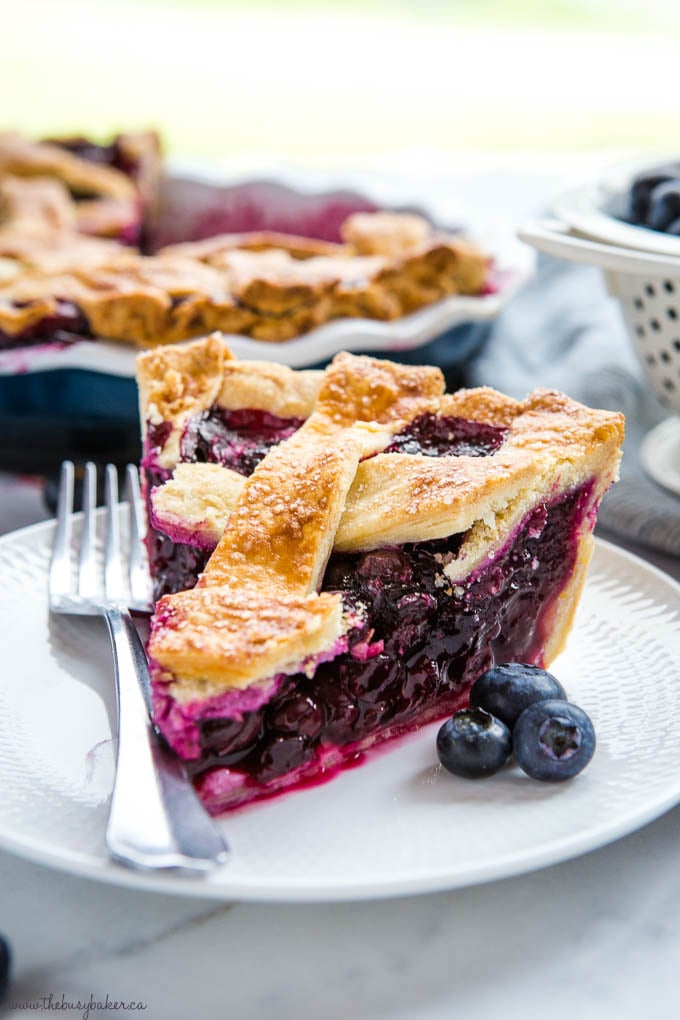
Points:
(591, 224)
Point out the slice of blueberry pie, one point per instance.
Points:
(339, 555)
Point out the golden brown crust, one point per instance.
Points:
(22, 157)
(385, 233)
(56, 255)
(173, 380)
(177, 382)
(35, 204)
(212, 249)
(280, 532)
(359, 388)
(220, 638)
(267, 386)
(553, 445)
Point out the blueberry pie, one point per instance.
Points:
(105, 190)
(338, 555)
(61, 285)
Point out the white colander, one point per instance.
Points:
(648, 289)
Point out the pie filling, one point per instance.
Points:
(241, 439)
(420, 642)
(67, 326)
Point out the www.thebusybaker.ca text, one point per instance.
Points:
(84, 1007)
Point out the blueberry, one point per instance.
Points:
(641, 189)
(5, 966)
(297, 714)
(283, 754)
(553, 741)
(664, 205)
(505, 691)
(473, 744)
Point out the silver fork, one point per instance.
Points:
(156, 819)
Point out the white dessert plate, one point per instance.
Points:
(398, 824)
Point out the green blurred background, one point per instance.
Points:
(316, 81)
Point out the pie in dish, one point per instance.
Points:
(74, 184)
(61, 285)
(338, 555)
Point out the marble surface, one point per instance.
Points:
(596, 937)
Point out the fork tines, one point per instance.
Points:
(122, 579)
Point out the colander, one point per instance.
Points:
(648, 290)
(647, 286)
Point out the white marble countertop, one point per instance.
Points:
(596, 937)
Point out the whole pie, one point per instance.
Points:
(73, 184)
(338, 555)
(75, 260)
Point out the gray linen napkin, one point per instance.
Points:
(562, 331)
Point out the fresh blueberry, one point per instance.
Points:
(664, 205)
(473, 744)
(5, 966)
(674, 227)
(642, 187)
(553, 741)
(505, 691)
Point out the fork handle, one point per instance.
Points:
(156, 819)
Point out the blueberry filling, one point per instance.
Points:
(438, 436)
(423, 642)
(240, 439)
(237, 439)
(174, 566)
